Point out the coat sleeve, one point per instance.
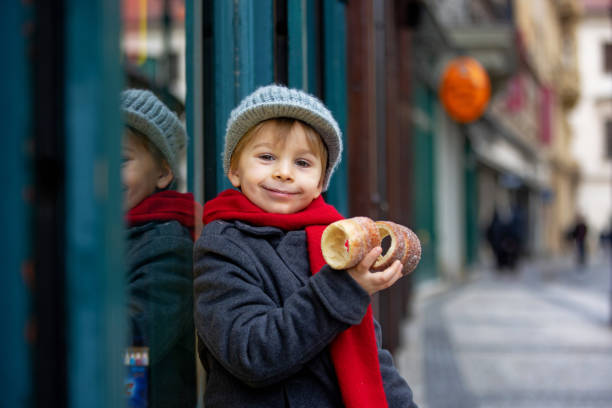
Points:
(160, 285)
(253, 337)
(397, 390)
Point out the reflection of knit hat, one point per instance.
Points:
(148, 115)
(274, 101)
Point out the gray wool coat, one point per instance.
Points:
(264, 323)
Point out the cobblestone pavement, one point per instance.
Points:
(535, 339)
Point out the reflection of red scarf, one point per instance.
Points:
(165, 206)
(354, 351)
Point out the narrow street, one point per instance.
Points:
(535, 339)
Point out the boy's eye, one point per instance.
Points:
(302, 163)
(266, 156)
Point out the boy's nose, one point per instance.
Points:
(283, 171)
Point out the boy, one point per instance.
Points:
(276, 326)
(161, 228)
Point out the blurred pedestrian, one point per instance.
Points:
(578, 234)
(502, 235)
(605, 239)
(506, 232)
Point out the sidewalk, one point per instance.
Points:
(537, 339)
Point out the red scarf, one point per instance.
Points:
(165, 206)
(354, 351)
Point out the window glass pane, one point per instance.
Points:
(153, 44)
(160, 356)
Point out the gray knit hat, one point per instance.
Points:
(275, 101)
(143, 111)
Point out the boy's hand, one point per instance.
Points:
(373, 282)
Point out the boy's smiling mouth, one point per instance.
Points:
(279, 191)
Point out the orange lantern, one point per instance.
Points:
(465, 89)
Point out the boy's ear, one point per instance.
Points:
(234, 177)
(165, 176)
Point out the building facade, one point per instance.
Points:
(591, 121)
(547, 31)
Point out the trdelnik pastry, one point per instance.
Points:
(344, 243)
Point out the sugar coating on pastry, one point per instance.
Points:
(397, 249)
(412, 256)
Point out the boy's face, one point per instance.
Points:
(279, 175)
(140, 173)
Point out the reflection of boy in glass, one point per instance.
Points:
(161, 227)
